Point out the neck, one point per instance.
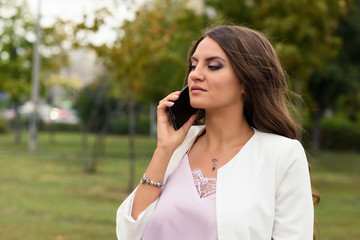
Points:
(225, 128)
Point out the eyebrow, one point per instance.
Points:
(210, 58)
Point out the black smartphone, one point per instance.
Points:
(181, 111)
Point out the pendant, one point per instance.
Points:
(214, 161)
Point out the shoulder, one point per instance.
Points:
(276, 143)
(286, 156)
(285, 153)
(282, 150)
(272, 137)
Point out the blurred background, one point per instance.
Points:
(79, 85)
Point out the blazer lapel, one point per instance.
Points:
(179, 153)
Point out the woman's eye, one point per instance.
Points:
(192, 67)
(214, 67)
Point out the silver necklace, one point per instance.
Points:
(215, 160)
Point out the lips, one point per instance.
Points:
(196, 88)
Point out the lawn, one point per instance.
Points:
(47, 195)
(336, 176)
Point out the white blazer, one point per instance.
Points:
(263, 193)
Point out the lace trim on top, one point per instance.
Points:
(204, 186)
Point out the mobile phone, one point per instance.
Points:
(181, 111)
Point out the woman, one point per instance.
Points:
(240, 175)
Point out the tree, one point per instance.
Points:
(97, 107)
(337, 85)
(16, 40)
(96, 103)
(349, 61)
(147, 60)
(152, 56)
(302, 31)
(15, 55)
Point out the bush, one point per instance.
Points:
(340, 134)
(143, 124)
(3, 125)
(59, 127)
(120, 125)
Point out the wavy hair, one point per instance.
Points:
(258, 68)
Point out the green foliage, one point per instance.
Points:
(17, 33)
(95, 105)
(167, 70)
(327, 85)
(301, 31)
(308, 27)
(337, 85)
(348, 63)
(317, 42)
(120, 125)
(149, 57)
(3, 125)
(340, 134)
(15, 49)
(235, 11)
(349, 31)
(59, 127)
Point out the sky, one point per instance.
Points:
(74, 10)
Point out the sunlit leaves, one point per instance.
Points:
(149, 56)
(301, 30)
(15, 49)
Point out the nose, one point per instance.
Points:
(196, 74)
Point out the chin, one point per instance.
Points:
(197, 104)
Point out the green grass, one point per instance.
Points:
(336, 176)
(47, 195)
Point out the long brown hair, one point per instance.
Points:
(258, 68)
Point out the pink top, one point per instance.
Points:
(186, 208)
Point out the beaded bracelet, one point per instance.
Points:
(148, 181)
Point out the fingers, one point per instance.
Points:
(168, 101)
(166, 134)
(162, 113)
(189, 123)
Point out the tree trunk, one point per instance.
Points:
(89, 165)
(153, 125)
(299, 105)
(17, 125)
(85, 148)
(132, 141)
(52, 130)
(95, 153)
(99, 141)
(316, 134)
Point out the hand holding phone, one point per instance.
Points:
(181, 111)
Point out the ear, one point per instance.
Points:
(242, 85)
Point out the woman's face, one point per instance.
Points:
(212, 80)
